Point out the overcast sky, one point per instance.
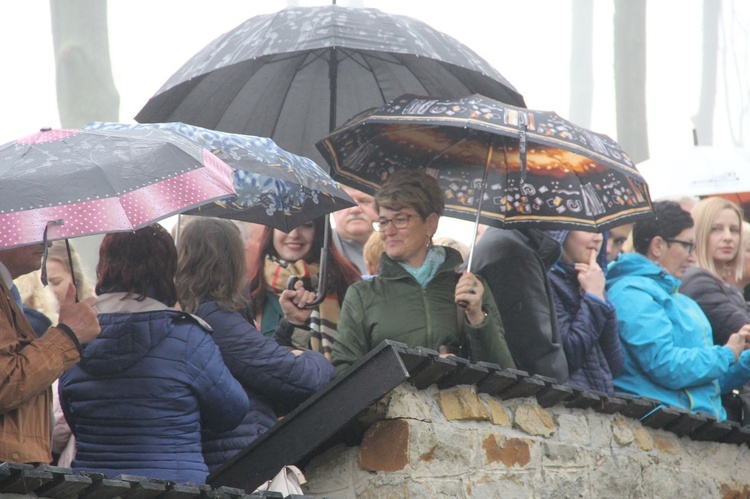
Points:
(527, 41)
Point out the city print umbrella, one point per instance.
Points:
(497, 164)
(57, 184)
(273, 187)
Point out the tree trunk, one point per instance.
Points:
(704, 119)
(630, 77)
(85, 88)
(581, 62)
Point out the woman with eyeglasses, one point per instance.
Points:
(420, 298)
(297, 254)
(719, 248)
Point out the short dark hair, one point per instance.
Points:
(141, 263)
(669, 220)
(411, 188)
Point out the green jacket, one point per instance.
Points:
(394, 306)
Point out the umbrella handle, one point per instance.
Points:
(320, 295)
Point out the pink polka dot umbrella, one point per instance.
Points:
(84, 182)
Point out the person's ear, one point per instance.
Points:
(656, 247)
(432, 223)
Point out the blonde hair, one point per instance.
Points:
(453, 243)
(36, 296)
(371, 252)
(704, 213)
(58, 252)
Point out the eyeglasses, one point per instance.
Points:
(689, 246)
(400, 221)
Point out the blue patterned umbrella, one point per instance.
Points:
(274, 187)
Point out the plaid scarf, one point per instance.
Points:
(324, 318)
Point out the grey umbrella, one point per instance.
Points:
(297, 74)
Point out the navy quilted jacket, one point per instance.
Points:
(144, 388)
(274, 379)
(588, 328)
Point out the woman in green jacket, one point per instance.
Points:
(415, 298)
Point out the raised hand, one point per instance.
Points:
(293, 301)
(469, 291)
(590, 276)
(79, 316)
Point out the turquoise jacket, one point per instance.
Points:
(667, 342)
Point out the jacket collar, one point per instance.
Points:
(115, 303)
(390, 269)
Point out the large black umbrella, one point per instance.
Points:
(496, 163)
(297, 74)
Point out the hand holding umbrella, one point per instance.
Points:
(469, 292)
(79, 316)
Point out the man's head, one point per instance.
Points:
(355, 223)
(23, 259)
(668, 238)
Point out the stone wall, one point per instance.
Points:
(457, 443)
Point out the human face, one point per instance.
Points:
(578, 246)
(408, 245)
(674, 256)
(296, 244)
(59, 278)
(355, 223)
(617, 237)
(724, 237)
(23, 259)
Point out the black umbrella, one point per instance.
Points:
(499, 164)
(297, 74)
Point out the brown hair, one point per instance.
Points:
(341, 272)
(141, 263)
(211, 264)
(412, 188)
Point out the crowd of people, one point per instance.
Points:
(186, 352)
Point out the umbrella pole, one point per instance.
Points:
(487, 162)
(70, 264)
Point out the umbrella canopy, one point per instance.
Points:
(85, 182)
(513, 166)
(273, 187)
(700, 171)
(296, 74)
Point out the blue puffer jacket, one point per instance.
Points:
(273, 377)
(588, 328)
(144, 387)
(666, 341)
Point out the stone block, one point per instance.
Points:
(462, 403)
(508, 451)
(331, 473)
(498, 415)
(617, 475)
(666, 442)
(622, 432)
(507, 486)
(533, 420)
(564, 482)
(441, 449)
(564, 454)
(385, 446)
(573, 428)
(642, 438)
(406, 402)
(667, 481)
(735, 491)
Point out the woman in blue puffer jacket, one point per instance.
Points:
(153, 378)
(210, 278)
(587, 320)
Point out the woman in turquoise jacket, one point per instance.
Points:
(666, 338)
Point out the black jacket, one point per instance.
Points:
(514, 263)
(723, 304)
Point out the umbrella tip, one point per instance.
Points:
(45, 129)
